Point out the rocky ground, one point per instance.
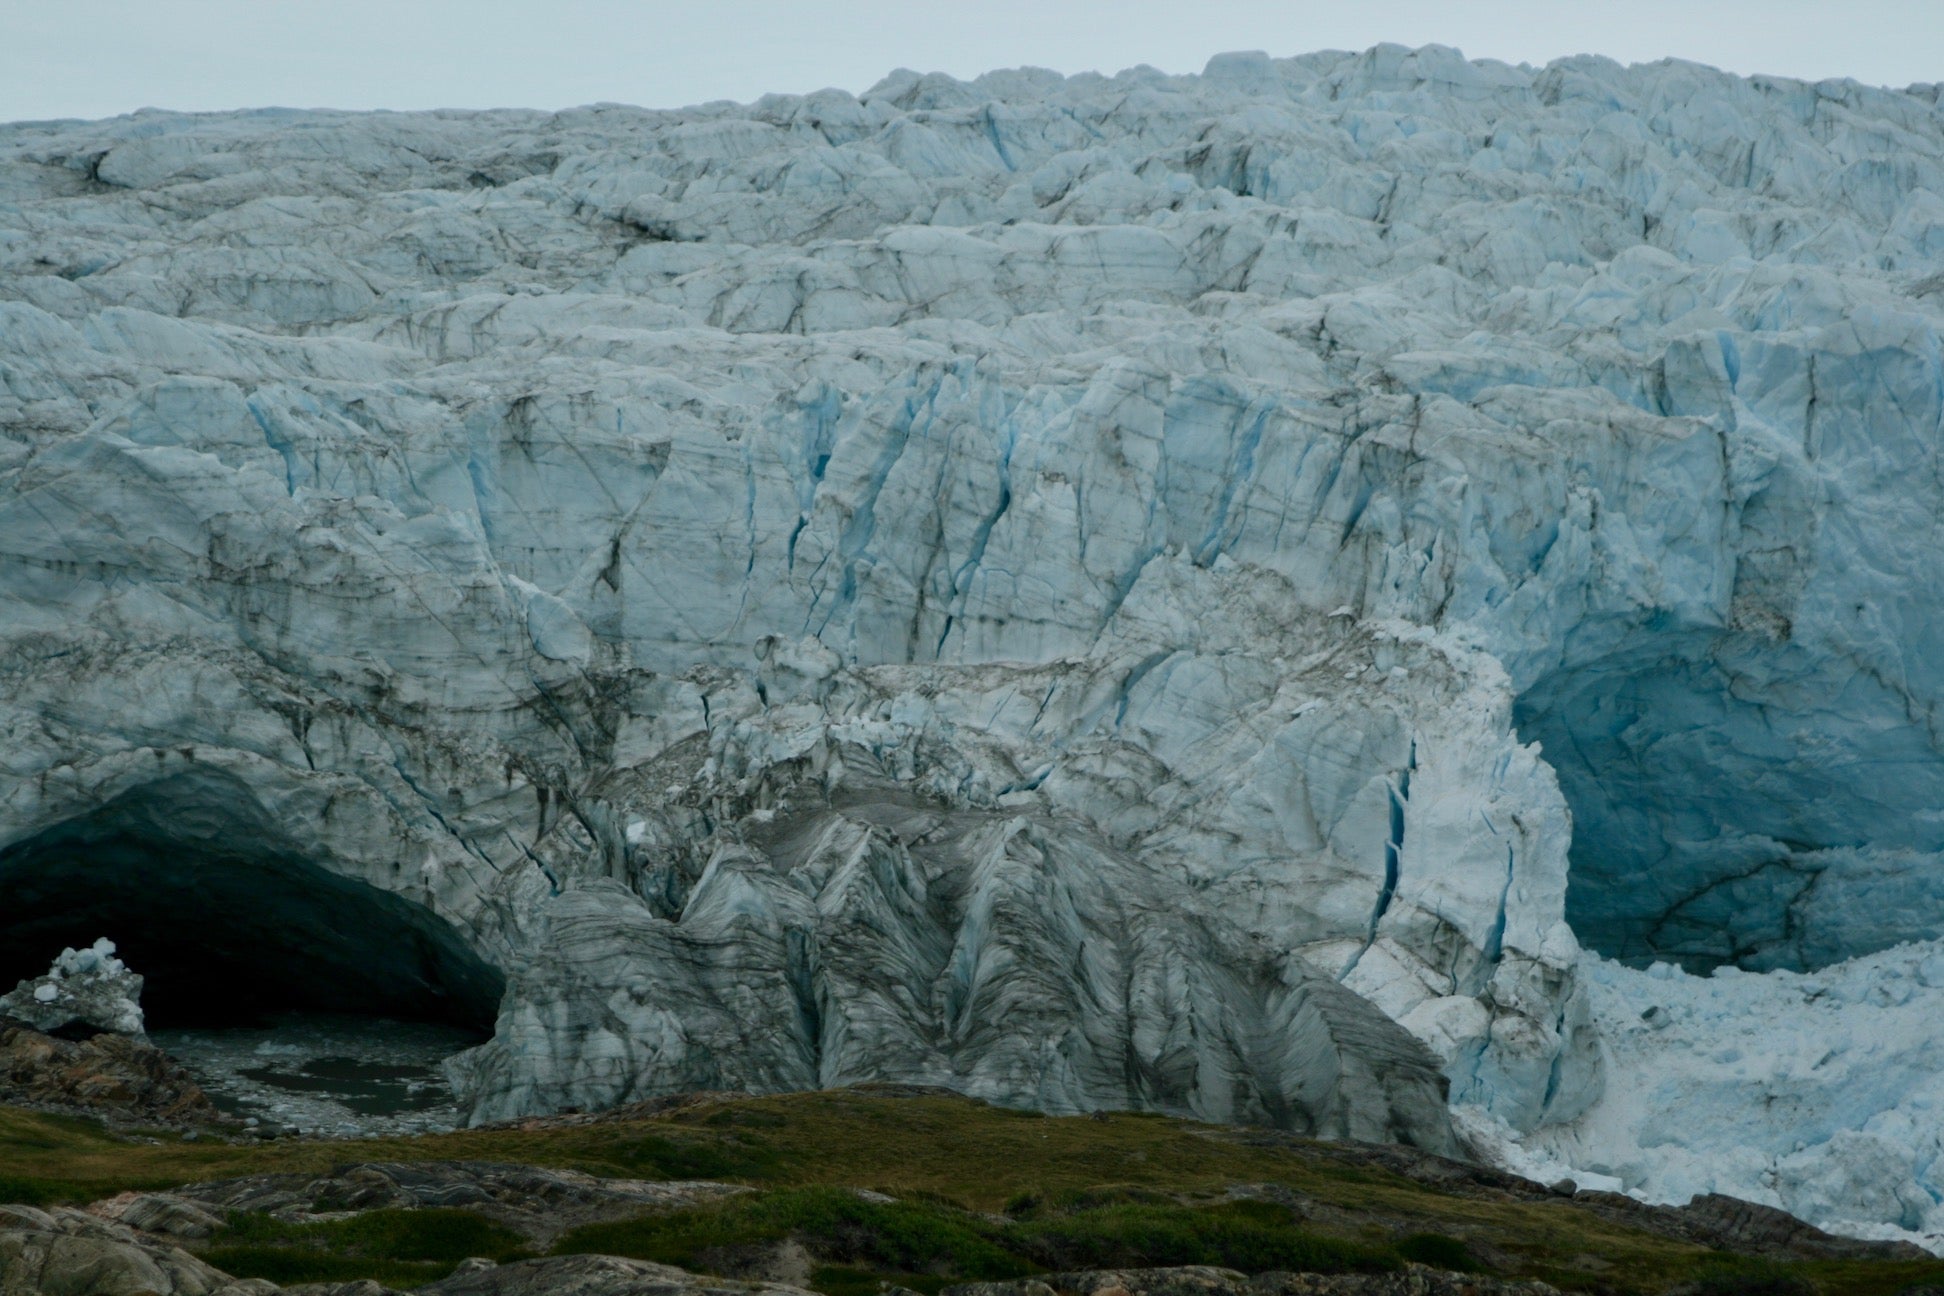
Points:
(106, 1075)
(137, 1242)
(888, 1189)
(539, 1204)
(54, 1254)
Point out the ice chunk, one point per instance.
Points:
(88, 987)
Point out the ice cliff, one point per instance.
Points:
(1200, 593)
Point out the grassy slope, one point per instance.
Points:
(948, 1155)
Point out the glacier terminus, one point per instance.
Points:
(1380, 594)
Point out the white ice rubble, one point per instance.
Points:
(1099, 591)
(1821, 1092)
(89, 989)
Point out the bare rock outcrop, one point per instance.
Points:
(112, 1076)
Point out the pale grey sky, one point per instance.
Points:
(93, 58)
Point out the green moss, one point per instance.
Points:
(1750, 1279)
(431, 1234)
(660, 1156)
(835, 1225)
(400, 1247)
(1250, 1236)
(1065, 1201)
(40, 1192)
(860, 1242)
(1439, 1251)
(288, 1265)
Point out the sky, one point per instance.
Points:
(95, 58)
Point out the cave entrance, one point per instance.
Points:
(227, 919)
(1736, 802)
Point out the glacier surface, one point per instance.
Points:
(1277, 594)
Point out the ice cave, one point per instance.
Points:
(1715, 824)
(227, 919)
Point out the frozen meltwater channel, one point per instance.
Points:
(326, 1073)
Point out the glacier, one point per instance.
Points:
(1334, 591)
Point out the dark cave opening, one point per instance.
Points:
(226, 918)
